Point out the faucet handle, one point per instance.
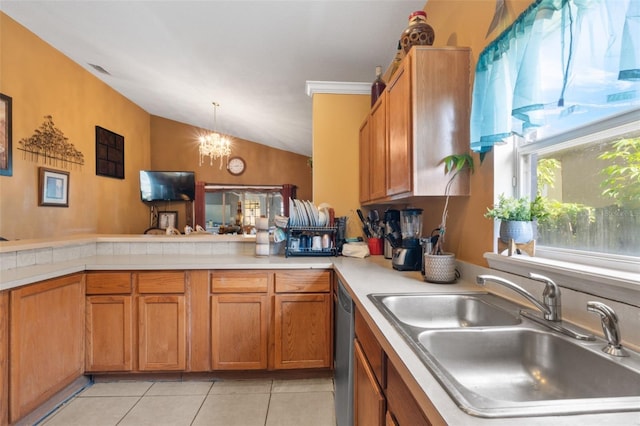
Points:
(609, 321)
(550, 296)
(551, 288)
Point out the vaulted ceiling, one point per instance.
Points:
(174, 58)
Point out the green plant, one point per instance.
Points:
(622, 182)
(454, 164)
(520, 209)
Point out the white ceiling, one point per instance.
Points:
(174, 58)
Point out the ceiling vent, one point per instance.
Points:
(100, 69)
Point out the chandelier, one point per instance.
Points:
(214, 145)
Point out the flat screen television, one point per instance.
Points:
(167, 186)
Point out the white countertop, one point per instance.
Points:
(362, 277)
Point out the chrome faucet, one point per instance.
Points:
(609, 321)
(550, 305)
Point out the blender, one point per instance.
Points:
(408, 257)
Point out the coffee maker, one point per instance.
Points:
(408, 257)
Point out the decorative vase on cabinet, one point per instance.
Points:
(418, 32)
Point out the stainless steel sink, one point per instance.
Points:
(495, 363)
(520, 371)
(446, 310)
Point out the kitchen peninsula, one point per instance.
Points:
(26, 264)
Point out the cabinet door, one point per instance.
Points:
(161, 333)
(368, 399)
(4, 357)
(46, 341)
(108, 334)
(240, 332)
(399, 144)
(377, 172)
(302, 331)
(364, 155)
(402, 405)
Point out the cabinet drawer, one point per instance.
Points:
(371, 348)
(240, 282)
(161, 282)
(108, 283)
(310, 281)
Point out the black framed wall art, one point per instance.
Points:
(109, 153)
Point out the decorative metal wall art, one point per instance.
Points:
(52, 146)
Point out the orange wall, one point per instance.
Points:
(336, 120)
(175, 147)
(42, 81)
(336, 124)
(465, 23)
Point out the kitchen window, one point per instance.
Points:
(589, 179)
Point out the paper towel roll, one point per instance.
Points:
(262, 223)
(262, 249)
(262, 237)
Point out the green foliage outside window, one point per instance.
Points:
(622, 178)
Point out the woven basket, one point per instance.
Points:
(440, 268)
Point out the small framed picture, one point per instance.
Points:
(53, 188)
(167, 219)
(5, 136)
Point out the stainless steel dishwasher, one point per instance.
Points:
(344, 332)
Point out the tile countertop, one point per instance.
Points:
(362, 277)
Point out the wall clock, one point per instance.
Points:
(236, 166)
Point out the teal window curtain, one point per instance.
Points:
(560, 65)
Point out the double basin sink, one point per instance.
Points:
(496, 363)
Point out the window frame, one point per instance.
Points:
(614, 276)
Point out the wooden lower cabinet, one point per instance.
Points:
(4, 357)
(368, 399)
(46, 341)
(161, 333)
(109, 334)
(401, 405)
(381, 397)
(303, 331)
(239, 324)
(109, 322)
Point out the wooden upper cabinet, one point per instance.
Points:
(364, 151)
(441, 101)
(428, 103)
(378, 146)
(373, 146)
(398, 158)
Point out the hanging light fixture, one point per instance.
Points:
(214, 145)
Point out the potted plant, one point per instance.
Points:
(440, 266)
(516, 217)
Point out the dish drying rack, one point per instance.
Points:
(297, 232)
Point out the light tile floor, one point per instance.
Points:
(307, 402)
